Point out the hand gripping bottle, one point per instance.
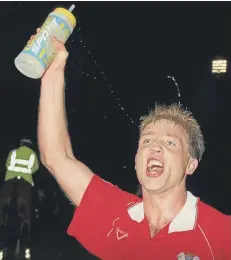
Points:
(38, 54)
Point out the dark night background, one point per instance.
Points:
(133, 47)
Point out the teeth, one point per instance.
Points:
(155, 162)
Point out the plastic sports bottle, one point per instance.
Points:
(38, 54)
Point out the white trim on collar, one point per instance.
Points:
(185, 220)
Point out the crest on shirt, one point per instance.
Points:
(120, 234)
(187, 256)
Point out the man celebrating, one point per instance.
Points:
(168, 222)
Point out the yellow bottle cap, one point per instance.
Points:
(68, 14)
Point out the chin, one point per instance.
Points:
(151, 186)
(154, 189)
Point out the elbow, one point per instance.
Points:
(50, 156)
(51, 162)
(49, 165)
(46, 163)
(42, 159)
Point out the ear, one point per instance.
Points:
(191, 167)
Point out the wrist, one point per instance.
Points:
(54, 76)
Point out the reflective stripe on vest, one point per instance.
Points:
(29, 163)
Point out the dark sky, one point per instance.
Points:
(133, 47)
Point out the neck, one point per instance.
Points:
(163, 207)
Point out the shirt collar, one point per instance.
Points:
(185, 220)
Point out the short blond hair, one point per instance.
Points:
(177, 114)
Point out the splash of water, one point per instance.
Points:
(177, 87)
(83, 72)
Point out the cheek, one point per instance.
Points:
(174, 159)
(135, 161)
(138, 159)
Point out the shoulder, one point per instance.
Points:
(104, 198)
(101, 206)
(12, 152)
(216, 227)
(213, 221)
(211, 213)
(111, 193)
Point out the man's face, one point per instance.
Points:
(162, 160)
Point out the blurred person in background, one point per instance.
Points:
(21, 164)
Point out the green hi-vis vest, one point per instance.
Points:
(21, 163)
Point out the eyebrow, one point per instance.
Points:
(173, 136)
(167, 133)
(148, 133)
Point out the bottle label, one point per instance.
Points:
(40, 47)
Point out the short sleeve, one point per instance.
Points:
(101, 204)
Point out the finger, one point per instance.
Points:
(59, 46)
(55, 41)
(32, 37)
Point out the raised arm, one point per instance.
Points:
(53, 138)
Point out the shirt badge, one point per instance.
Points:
(187, 256)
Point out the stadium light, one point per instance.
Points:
(219, 66)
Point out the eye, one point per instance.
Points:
(170, 143)
(146, 141)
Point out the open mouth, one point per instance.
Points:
(154, 168)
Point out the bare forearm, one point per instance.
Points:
(54, 141)
(53, 138)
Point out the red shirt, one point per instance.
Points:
(110, 224)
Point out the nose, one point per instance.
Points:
(155, 148)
